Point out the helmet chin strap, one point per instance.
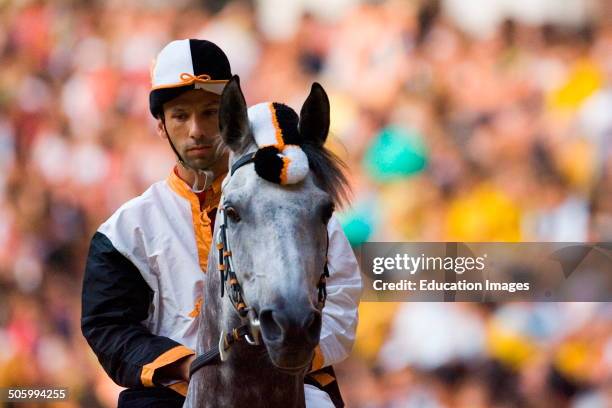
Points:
(208, 175)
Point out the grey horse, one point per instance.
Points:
(278, 241)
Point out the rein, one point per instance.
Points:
(249, 331)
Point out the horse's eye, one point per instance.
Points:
(326, 212)
(232, 214)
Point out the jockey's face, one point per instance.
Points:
(192, 121)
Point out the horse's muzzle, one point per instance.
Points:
(290, 334)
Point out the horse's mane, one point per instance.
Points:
(329, 171)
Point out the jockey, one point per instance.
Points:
(143, 285)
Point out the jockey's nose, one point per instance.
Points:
(291, 326)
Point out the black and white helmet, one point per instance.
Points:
(187, 64)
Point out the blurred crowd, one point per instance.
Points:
(459, 121)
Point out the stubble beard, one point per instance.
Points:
(210, 163)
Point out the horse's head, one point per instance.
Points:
(276, 218)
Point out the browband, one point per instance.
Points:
(246, 159)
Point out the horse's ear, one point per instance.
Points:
(233, 116)
(314, 116)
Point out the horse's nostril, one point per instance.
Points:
(270, 327)
(283, 326)
(312, 319)
(312, 326)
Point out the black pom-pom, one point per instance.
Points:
(268, 164)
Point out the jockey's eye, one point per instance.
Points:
(326, 212)
(180, 116)
(232, 214)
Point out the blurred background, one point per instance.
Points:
(460, 120)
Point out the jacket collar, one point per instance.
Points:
(180, 187)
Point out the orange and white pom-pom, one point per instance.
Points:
(296, 164)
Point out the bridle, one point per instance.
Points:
(250, 331)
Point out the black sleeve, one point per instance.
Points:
(115, 299)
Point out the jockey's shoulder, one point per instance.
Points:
(139, 208)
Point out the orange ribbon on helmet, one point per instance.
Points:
(188, 78)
